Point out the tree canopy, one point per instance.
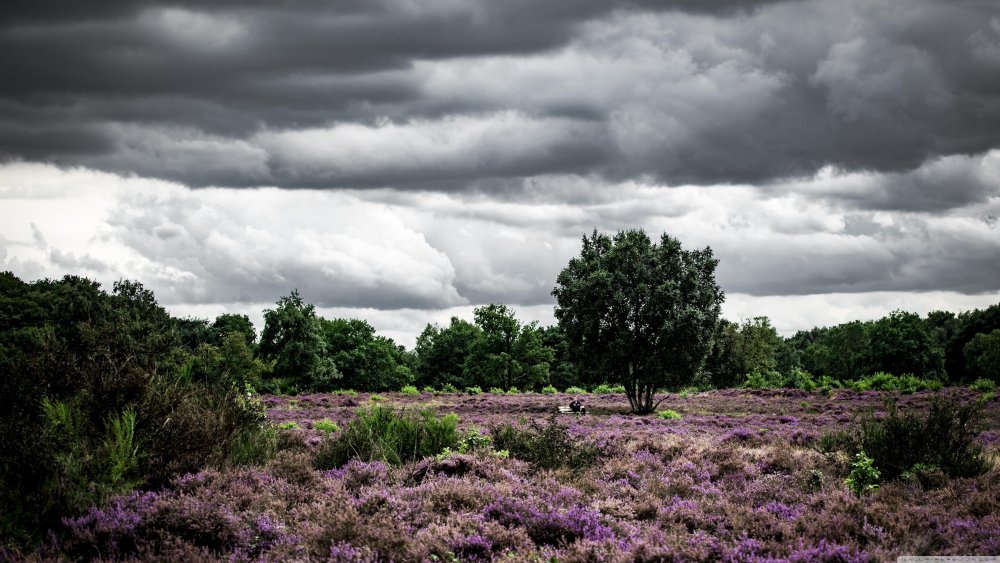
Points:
(293, 340)
(642, 312)
(507, 354)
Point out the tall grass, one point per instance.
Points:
(381, 433)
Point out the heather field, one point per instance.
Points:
(734, 475)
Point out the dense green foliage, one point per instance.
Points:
(941, 346)
(293, 341)
(507, 354)
(498, 351)
(441, 353)
(641, 312)
(364, 359)
(100, 395)
(742, 349)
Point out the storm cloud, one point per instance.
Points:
(439, 95)
(404, 160)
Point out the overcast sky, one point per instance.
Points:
(404, 161)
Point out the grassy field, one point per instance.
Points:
(739, 475)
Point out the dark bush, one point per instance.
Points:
(379, 433)
(546, 447)
(94, 402)
(945, 437)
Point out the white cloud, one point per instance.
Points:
(460, 146)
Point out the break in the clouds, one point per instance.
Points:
(405, 160)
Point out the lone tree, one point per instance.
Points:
(643, 313)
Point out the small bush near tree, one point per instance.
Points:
(864, 476)
(669, 414)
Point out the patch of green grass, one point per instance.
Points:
(669, 414)
(605, 389)
(326, 425)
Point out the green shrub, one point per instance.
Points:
(549, 390)
(687, 392)
(801, 379)
(376, 398)
(982, 385)
(380, 433)
(102, 395)
(758, 379)
(513, 391)
(326, 426)
(906, 383)
(449, 388)
(348, 392)
(669, 414)
(929, 476)
(605, 389)
(474, 390)
(496, 391)
(945, 437)
(545, 447)
(830, 382)
(474, 441)
(409, 390)
(864, 476)
(290, 425)
(576, 391)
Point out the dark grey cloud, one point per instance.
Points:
(678, 91)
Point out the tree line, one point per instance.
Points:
(631, 311)
(299, 351)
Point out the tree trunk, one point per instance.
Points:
(632, 388)
(644, 399)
